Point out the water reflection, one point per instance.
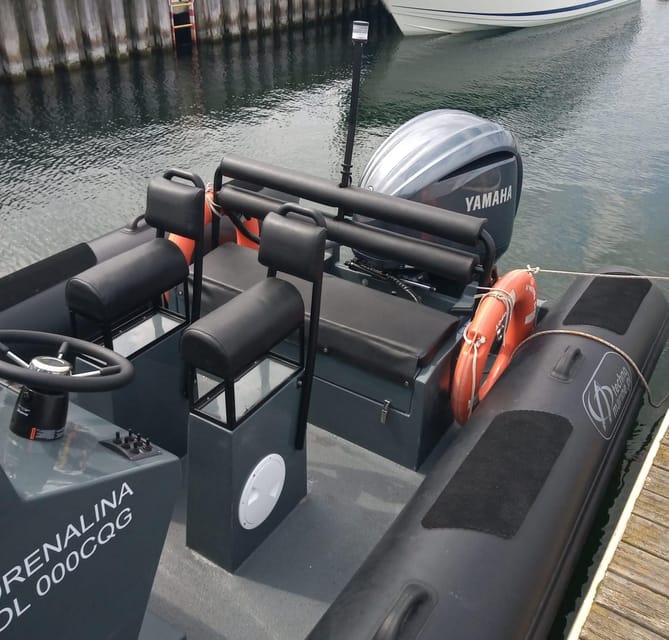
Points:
(536, 73)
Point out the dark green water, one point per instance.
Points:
(586, 100)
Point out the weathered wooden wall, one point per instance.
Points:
(39, 35)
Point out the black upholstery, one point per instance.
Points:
(292, 247)
(40, 276)
(175, 207)
(388, 335)
(225, 341)
(116, 286)
(232, 337)
(130, 280)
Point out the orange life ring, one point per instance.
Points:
(512, 301)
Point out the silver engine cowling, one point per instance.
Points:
(453, 160)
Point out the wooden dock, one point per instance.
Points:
(629, 597)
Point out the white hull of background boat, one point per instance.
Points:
(421, 17)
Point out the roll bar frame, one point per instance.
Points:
(443, 261)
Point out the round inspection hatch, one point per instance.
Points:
(262, 491)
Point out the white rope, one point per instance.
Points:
(506, 299)
(610, 345)
(215, 208)
(620, 276)
(475, 344)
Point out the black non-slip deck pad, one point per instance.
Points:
(501, 477)
(609, 303)
(35, 278)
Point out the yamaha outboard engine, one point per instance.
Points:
(453, 160)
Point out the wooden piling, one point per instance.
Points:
(161, 25)
(11, 57)
(38, 35)
(232, 17)
(117, 33)
(295, 9)
(91, 30)
(309, 11)
(264, 16)
(68, 49)
(212, 12)
(139, 19)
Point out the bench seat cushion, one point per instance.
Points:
(228, 339)
(116, 286)
(390, 336)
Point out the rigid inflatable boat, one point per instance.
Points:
(367, 432)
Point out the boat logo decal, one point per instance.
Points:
(488, 199)
(61, 554)
(606, 393)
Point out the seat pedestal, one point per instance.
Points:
(222, 462)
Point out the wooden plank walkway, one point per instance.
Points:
(629, 597)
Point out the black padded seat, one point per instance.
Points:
(391, 336)
(225, 341)
(118, 285)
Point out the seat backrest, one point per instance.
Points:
(297, 248)
(176, 207)
(293, 247)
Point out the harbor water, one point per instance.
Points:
(586, 100)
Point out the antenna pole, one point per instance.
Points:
(359, 37)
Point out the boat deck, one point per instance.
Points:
(286, 585)
(629, 598)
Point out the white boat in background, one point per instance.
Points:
(420, 17)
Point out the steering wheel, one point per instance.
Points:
(115, 370)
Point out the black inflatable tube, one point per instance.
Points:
(440, 260)
(445, 224)
(498, 524)
(29, 313)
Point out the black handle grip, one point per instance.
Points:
(184, 175)
(292, 207)
(411, 599)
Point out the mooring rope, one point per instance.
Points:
(621, 276)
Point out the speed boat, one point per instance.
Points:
(422, 17)
(282, 408)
